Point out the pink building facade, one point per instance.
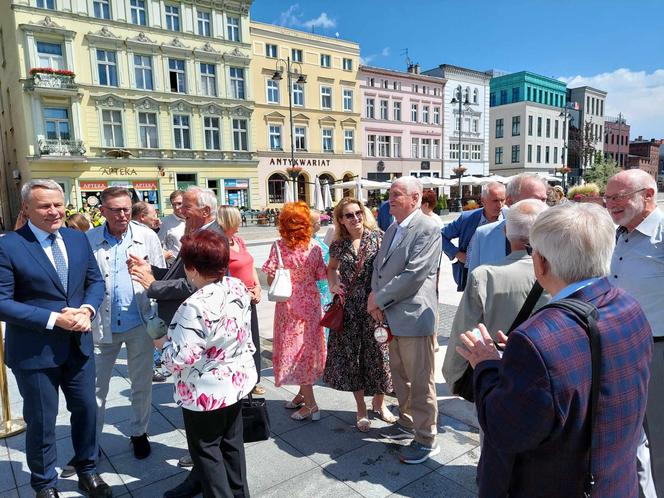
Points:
(616, 140)
(401, 125)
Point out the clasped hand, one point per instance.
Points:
(478, 349)
(74, 319)
(373, 309)
(140, 271)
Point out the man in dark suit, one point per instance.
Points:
(463, 228)
(50, 287)
(533, 404)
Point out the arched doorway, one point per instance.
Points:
(325, 177)
(302, 187)
(276, 188)
(348, 192)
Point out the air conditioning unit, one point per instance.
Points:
(425, 165)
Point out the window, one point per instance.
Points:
(384, 113)
(435, 151)
(371, 145)
(172, 17)
(272, 92)
(503, 97)
(548, 127)
(300, 133)
(176, 75)
(530, 126)
(106, 67)
(233, 28)
(102, 9)
(555, 129)
(56, 123)
(211, 132)
(426, 148)
(396, 146)
(555, 155)
(143, 72)
(476, 96)
(270, 50)
(515, 94)
(147, 130)
(498, 155)
(546, 154)
(530, 153)
(326, 97)
(240, 135)
(296, 54)
(539, 153)
(46, 4)
(499, 128)
(204, 24)
(492, 99)
(327, 140)
(50, 55)
(476, 125)
(348, 99)
(384, 146)
(181, 131)
(397, 111)
(425, 114)
(413, 113)
(454, 151)
(349, 140)
(208, 80)
(516, 126)
(347, 64)
(465, 151)
(112, 126)
(237, 82)
(539, 127)
(274, 135)
(276, 187)
(138, 12)
(436, 115)
(325, 60)
(415, 148)
(298, 94)
(516, 153)
(371, 82)
(528, 93)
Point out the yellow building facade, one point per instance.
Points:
(153, 95)
(325, 110)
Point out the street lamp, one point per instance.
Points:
(293, 69)
(566, 115)
(459, 169)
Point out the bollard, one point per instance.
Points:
(8, 426)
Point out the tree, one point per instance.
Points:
(601, 170)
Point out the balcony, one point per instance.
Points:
(46, 80)
(59, 147)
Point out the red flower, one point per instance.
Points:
(49, 70)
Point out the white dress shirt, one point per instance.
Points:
(401, 228)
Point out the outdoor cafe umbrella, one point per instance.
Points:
(327, 196)
(288, 197)
(319, 203)
(358, 190)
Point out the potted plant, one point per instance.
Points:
(441, 206)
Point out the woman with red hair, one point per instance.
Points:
(298, 355)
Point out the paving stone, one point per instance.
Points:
(7, 481)
(158, 488)
(463, 470)
(434, 485)
(452, 445)
(315, 482)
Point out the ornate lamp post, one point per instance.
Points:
(293, 70)
(564, 170)
(567, 116)
(294, 174)
(459, 170)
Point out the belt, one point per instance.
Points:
(658, 338)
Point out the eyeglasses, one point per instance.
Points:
(351, 216)
(529, 250)
(117, 211)
(621, 197)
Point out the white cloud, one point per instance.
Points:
(637, 94)
(385, 52)
(322, 21)
(367, 60)
(290, 17)
(293, 17)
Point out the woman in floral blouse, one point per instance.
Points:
(209, 350)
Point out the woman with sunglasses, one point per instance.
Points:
(355, 360)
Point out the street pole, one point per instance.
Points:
(459, 169)
(619, 139)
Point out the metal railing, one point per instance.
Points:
(60, 147)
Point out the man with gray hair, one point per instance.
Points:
(638, 267)
(534, 403)
(495, 293)
(403, 295)
(489, 244)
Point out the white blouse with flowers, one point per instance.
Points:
(209, 347)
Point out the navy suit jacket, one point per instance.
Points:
(533, 404)
(30, 290)
(462, 228)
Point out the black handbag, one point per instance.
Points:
(464, 386)
(255, 419)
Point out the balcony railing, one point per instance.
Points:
(55, 81)
(59, 147)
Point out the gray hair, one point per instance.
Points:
(490, 186)
(411, 185)
(577, 239)
(513, 190)
(636, 178)
(520, 218)
(26, 190)
(205, 197)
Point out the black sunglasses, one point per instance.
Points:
(351, 216)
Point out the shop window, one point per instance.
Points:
(276, 188)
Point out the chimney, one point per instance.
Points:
(417, 69)
(411, 68)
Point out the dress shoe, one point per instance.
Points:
(69, 469)
(94, 486)
(141, 446)
(186, 489)
(48, 493)
(185, 461)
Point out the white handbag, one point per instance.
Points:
(281, 288)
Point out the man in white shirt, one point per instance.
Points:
(172, 228)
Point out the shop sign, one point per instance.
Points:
(119, 171)
(287, 161)
(233, 183)
(145, 185)
(94, 186)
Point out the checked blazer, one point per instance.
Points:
(533, 404)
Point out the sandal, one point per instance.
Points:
(384, 414)
(258, 390)
(297, 402)
(363, 424)
(305, 412)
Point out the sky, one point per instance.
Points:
(612, 45)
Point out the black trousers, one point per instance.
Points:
(216, 445)
(255, 337)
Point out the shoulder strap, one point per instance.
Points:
(276, 246)
(528, 306)
(587, 314)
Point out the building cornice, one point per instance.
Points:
(272, 32)
(48, 26)
(401, 74)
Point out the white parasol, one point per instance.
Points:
(319, 203)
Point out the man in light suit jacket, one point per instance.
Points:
(463, 228)
(489, 244)
(50, 288)
(403, 295)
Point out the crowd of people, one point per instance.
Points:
(181, 294)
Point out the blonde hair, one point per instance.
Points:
(229, 217)
(340, 231)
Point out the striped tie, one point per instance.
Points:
(60, 262)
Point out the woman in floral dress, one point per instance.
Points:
(356, 361)
(298, 355)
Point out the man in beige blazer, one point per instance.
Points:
(403, 295)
